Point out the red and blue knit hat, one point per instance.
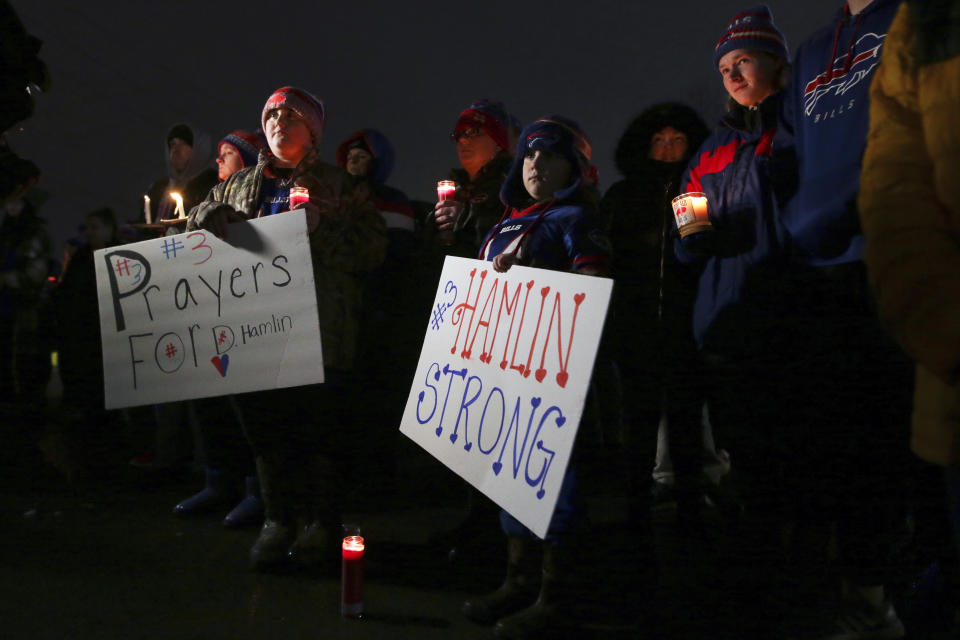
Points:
(753, 30)
(306, 105)
(489, 116)
(247, 143)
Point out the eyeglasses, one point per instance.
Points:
(472, 132)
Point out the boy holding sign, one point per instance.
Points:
(550, 223)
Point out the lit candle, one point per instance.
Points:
(351, 577)
(180, 213)
(146, 210)
(690, 211)
(446, 190)
(298, 196)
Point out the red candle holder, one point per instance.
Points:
(446, 190)
(351, 577)
(298, 196)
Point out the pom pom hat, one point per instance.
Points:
(307, 106)
(753, 30)
(488, 116)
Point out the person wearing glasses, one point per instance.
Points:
(482, 134)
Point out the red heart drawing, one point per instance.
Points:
(579, 298)
(221, 362)
(562, 378)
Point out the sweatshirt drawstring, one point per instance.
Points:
(833, 50)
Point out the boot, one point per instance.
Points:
(552, 615)
(250, 509)
(476, 536)
(519, 588)
(218, 490)
(317, 501)
(314, 547)
(277, 534)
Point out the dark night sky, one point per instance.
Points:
(124, 71)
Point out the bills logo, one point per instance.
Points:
(843, 77)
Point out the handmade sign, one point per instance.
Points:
(191, 316)
(502, 379)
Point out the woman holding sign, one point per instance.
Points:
(551, 222)
(301, 436)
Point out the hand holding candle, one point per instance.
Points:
(446, 192)
(690, 212)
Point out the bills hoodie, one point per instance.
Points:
(828, 108)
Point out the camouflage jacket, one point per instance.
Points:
(349, 241)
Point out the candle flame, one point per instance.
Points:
(180, 212)
(353, 543)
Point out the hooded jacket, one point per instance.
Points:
(391, 319)
(563, 233)
(349, 241)
(910, 210)
(746, 170)
(653, 299)
(392, 203)
(828, 110)
(193, 183)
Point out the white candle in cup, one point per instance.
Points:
(690, 213)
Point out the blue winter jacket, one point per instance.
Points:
(747, 170)
(828, 111)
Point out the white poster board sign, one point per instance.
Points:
(191, 316)
(502, 379)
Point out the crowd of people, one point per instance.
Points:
(772, 367)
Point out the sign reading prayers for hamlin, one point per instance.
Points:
(192, 316)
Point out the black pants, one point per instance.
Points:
(305, 440)
(849, 409)
(221, 431)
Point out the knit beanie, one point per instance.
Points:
(753, 30)
(489, 116)
(556, 134)
(307, 106)
(181, 131)
(248, 144)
